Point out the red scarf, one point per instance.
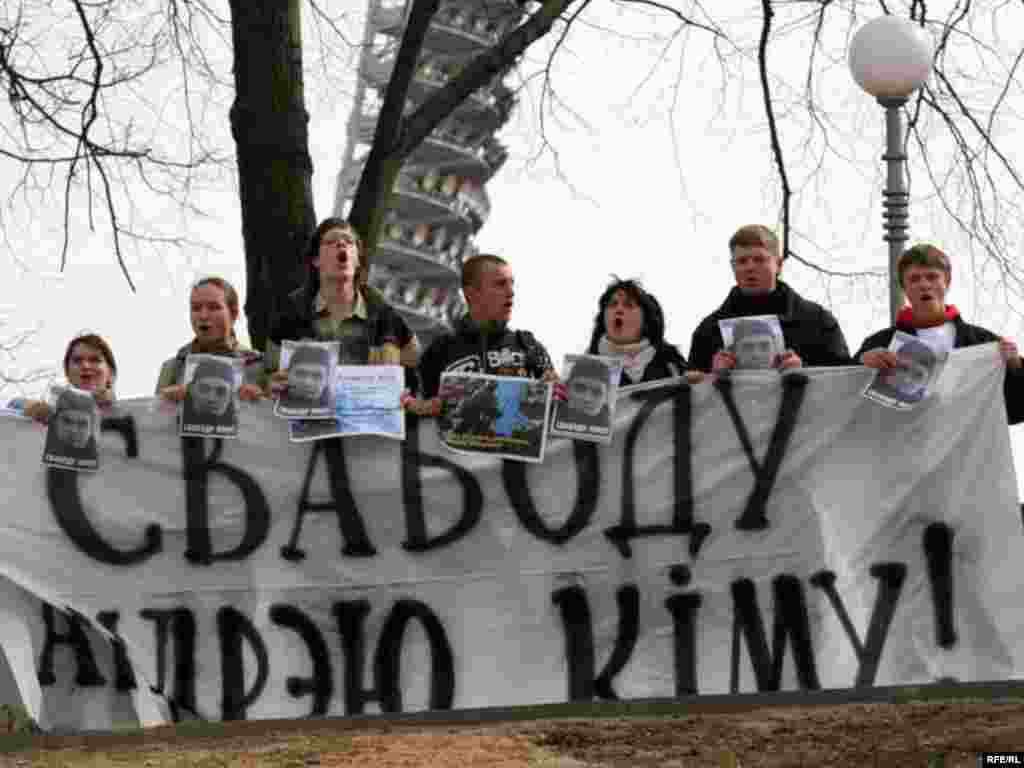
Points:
(906, 315)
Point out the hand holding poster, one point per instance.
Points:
(367, 401)
(904, 387)
(592, 384)
(14, 408)
(210, 407)
(312, 367)
(495, 415)
(757, 341)
(71, 435)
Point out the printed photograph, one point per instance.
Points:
(757, 341)
(904, 387)
(592, 385)
(210, 407)
(495, 415)
(367, 401)
(71, 432)
(312, 368)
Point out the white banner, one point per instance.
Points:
(770, 533)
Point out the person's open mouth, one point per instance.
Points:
(617, 322)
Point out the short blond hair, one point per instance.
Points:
(750, 235)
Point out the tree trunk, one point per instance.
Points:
(269, 125)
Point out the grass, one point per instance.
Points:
(299, 743)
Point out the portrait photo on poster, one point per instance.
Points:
(908, 385)
(757, 341)
(71, 431)
(312, 370)
(591, 382)
(504, 416)
(210, 407)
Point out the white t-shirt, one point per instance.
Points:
(940, 338)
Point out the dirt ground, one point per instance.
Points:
(912, 734)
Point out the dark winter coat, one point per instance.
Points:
(810, 330)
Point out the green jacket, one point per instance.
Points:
(172, 371)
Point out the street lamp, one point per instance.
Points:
(890, 58)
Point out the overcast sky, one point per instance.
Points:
(666, 167)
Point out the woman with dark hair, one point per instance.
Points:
(88, 364)
(213, 310)
(630, 325)
(336, 304)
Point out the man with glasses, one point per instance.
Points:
(811, 333)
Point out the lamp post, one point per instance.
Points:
(890, 58)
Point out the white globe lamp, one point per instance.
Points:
(890, 58)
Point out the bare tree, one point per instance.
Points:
(269, 125)
(117, 98)
(14, 378)
(106, 103)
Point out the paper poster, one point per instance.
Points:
(904, 387)
(210, 408)
(757, 341)
(312, 367)
(367, 401)
(592, 383)
(495, 415)
(71, 434)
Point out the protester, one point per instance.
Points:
(336, 304)
(630, 325)
(213, 311)
(925, 273)
(88, 364)
(481, 341)
(812, 334)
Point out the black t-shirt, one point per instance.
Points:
(471, 349)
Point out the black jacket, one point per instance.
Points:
(472, 349)
(810, 330)
(294, 319)
(967, 335)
